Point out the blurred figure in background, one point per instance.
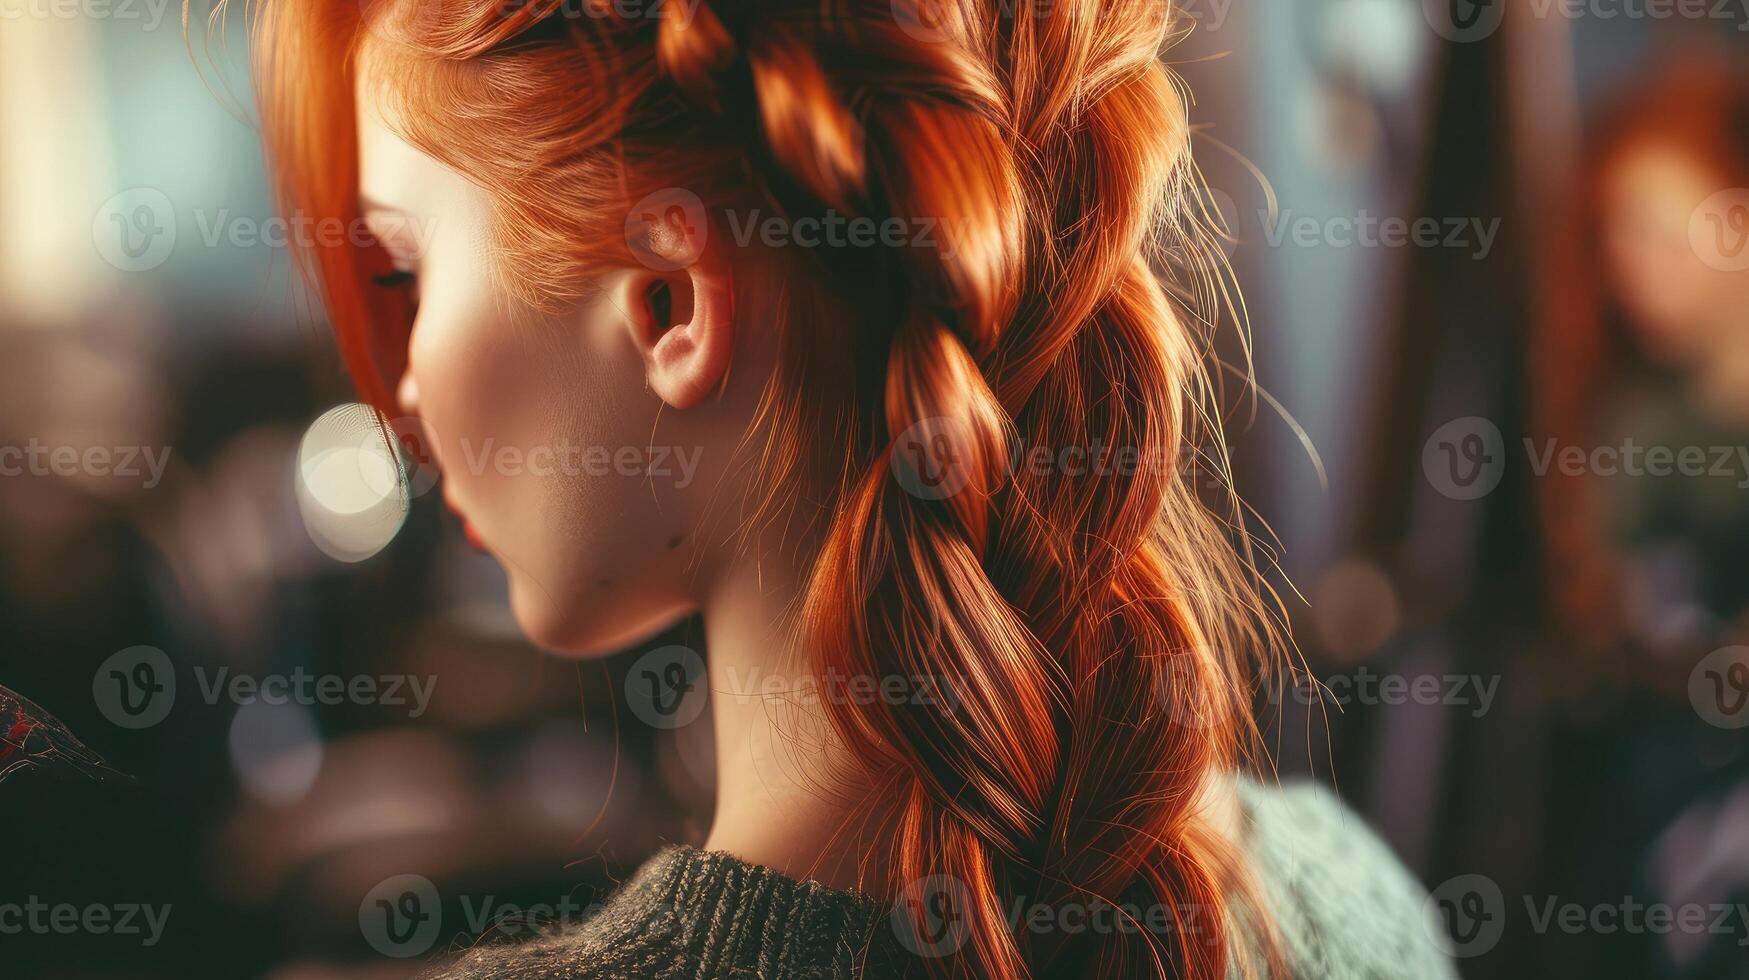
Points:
(1659, 353)
(1645, 372)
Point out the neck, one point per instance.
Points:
(784, 798)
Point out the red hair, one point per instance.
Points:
(1094, 630)
(1697, 104)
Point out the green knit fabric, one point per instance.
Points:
(1343, 909)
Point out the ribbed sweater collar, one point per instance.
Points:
(735, 916)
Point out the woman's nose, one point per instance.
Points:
(407, 394)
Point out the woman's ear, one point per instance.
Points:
(680, 308)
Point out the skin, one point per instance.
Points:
(1685, 313)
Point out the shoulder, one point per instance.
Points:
(1342, 905)
(689, 913)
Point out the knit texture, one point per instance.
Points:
(1343, 908)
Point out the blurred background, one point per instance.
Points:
(1494, 258)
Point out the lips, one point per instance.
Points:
(471, 533)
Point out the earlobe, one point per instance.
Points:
(681, 316)
(689, 360)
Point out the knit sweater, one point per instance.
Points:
(1343, 908)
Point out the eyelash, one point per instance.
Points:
(395, 279)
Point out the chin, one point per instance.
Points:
(588, 629)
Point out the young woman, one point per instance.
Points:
(889, 271)
(1649, 348)
(1651, 344)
